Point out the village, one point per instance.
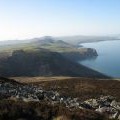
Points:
(104, 104)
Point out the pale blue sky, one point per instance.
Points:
(21, 19)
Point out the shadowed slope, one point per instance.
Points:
(43, 63)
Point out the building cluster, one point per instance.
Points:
(103, 104)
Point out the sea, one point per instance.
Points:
(108, 59)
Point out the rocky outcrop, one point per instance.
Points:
(106, 105)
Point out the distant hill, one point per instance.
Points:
(43, 63)
(75, 39)
(70, 51)
(50, 41)
(78, 39)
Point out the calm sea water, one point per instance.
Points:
(108, 60)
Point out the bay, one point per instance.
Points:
(108, 60)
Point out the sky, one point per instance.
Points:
(22, 19)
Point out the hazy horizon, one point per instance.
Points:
(23, 19)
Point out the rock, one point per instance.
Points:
(107, 98)
(86, 106)
(106, 110)
(92, 102)
(119, 117)
(115, 104)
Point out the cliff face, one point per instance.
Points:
(83, 53)
(91, 52)
(43, 63)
